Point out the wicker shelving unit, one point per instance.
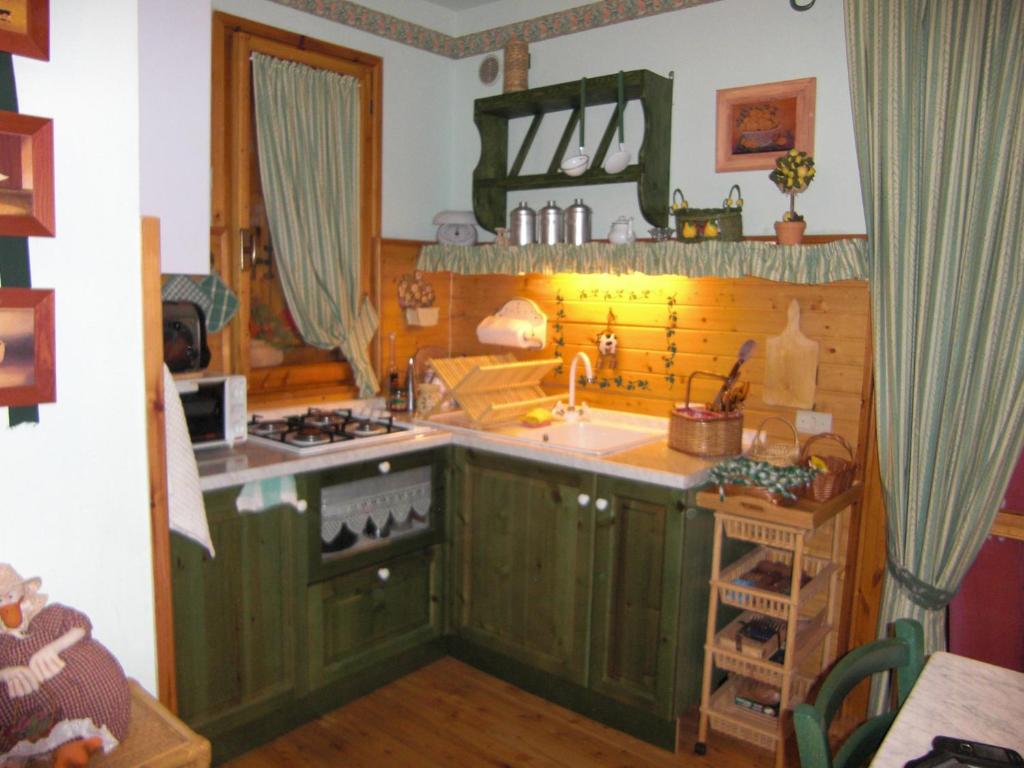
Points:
(810, 538)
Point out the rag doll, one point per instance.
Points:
(62, 694)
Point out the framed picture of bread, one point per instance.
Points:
(25, 28)
(26, 175)
(27, 371)
(758, 123)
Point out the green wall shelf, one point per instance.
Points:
(493, 177)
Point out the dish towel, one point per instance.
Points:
(186, 513)
(264, 494)
(217, 301)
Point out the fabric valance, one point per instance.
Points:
(824, 263)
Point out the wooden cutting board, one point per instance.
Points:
(791, 365)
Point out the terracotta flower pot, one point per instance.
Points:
(790, 232)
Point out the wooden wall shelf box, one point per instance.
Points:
(493, 177)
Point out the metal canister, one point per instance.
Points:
(549, 224)
(522, 225)
(577, 223)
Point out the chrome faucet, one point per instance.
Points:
(572, 377)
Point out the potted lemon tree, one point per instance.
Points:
(793, 173)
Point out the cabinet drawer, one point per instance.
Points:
(362, 617)
(362, 514)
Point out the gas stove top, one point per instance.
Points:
(328, 429)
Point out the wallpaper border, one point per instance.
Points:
(578, 19)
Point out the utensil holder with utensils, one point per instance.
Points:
(703, 432)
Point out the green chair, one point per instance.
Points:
(903, 653)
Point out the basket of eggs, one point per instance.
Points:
(834, 473)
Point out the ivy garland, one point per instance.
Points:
(619, 381)
(670, 342)
(559, 331)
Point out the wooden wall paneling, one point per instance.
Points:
(398, 258)
(153, 349)
(712, 319)
(869, 571)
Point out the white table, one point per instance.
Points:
(960, 697)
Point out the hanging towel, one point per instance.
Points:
(223, 302)
(217, 301)
(263, 494)
(186, 512)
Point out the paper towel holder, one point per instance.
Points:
(527, 310)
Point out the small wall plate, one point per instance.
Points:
(489, 69)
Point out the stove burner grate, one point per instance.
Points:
(319, 427)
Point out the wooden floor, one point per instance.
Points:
(449, 714)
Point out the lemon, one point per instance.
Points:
(537, 417)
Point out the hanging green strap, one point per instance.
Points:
(919, 592)
(14, 264)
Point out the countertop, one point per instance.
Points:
(959, 697)
(653, 462)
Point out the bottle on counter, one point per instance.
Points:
(396, 394)
(410, 386)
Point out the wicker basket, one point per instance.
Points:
(517, 66)
(703, 433)
(779, 454)
(828, 485)
(729, 217)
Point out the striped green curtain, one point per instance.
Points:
(938, 102)
(307, 128)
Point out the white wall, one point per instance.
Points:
(74, 502)
(719, 45)
(174, 103)
(418, 120)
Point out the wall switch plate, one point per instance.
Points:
(813, 422)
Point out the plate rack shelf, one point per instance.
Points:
(493, 177)
(807, 541)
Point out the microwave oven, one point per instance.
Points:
(215, 409)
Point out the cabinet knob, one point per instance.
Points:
(383, 574)
(384, 467)
(601, 505)
(583, 499)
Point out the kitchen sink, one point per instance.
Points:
(600, 433)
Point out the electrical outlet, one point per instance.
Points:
(813, 422)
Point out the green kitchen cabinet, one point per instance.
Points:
(235, 615)
(372, 614)
(588, 590)
(523, 554)
(651, 564)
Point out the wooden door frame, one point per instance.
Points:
(234, 40)
(153, 374)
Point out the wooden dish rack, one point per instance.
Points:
(492, 389)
